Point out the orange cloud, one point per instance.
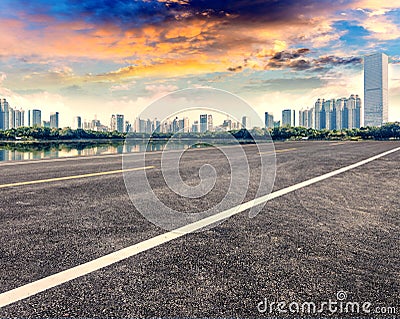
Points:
(166, 68)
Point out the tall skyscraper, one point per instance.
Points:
(318, 124)
(77, 123)
(120, 123)
(287, 118)
(36, 118)
(4, 114)
(176, 125)
(294, 118)
(19, 118)
(375, 89)
(328, 115)
(303, 118)
(113, 123)
(186, 125)
(54, 120)
(246, 122)
(11, 117)
(210, 123)
(195, 127)
(203, 123)
(269, 120)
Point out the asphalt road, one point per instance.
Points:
(342, 233)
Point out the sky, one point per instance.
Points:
(94, 58)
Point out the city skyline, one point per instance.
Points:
(329, 114)
(106, 58)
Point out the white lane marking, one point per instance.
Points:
(57, 279)
(66, 178)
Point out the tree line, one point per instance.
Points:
(387, 131)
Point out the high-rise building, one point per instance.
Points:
(195, 127)
(175, 125)
(203, 123)
(120, 123)
(18, 118)
(311, 119)
(294, 118)
(155, 126)
(4, 114)
(246, 122)
(117, 123)
(287, 118)
(317, 114)
(328, 114)
(339, 110)
(357, 122)
(303, 118)
(186, 125)
(375, 89)
(210, 124)
(77, 123)
(36, 118)
(269, 120)
(11, 117)
(128, 127)
(113, 123)
(149, 126)
(54, 120)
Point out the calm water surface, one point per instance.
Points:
(33, 151)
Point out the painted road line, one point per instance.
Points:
(57, 279)
(66, 178)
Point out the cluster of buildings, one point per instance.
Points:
(334, 114)
(346, 113)
(117, 123)
(205, 123)
(331, 114)
(14, 118)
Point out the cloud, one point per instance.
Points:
(303, 84)
(164, 68)
(3, 77)
(381, 27)
(123, 86)
(73, 90)
(289, 55)
(157, 88)
(210, 31)
(235, 69)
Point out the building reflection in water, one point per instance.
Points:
(18, 152)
